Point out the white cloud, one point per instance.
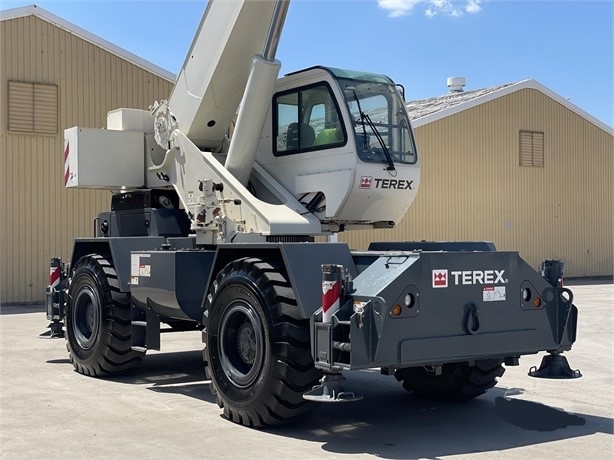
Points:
(432, 8)
(398, 7)
(473, 6)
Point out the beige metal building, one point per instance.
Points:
(517, 165)
(514, 164)
(54, 75)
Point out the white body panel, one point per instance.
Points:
(103, 159)
(339, 174)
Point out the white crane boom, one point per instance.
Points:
(211, 82)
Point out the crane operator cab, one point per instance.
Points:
(342, 143)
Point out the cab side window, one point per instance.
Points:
(306, 119)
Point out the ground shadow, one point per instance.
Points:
(58, 361)
(160, 369)
(172, 373)
(21, 309)
(391, 423)
(180, 372)
(181, 367)
(198, 390)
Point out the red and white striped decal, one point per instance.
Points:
(54, 276)
(331, 293)
(66, 164)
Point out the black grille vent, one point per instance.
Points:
(290, 239)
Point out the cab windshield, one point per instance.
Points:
(380, 123)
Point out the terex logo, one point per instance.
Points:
(440, 278)
(365, 181)
(397, 184)
(478, 277)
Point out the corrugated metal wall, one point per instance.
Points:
(474, 189)
(472, 185)
(39, 219)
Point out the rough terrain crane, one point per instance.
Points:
(215, 231)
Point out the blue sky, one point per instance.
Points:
(565, 45)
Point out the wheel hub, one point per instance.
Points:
(246, 343)
(86, 318)
(241, 344)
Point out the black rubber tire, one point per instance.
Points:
(457, 382)
(257, 347)
(98, 330)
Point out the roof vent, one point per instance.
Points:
(456, 84)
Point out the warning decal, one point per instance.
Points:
(137, 267)
(134, 264)
(493, 293)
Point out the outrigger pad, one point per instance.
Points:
(554, 366)
(55, 332)
(331, 390)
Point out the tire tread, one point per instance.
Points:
(293, 369)
(458, 381)
(114, 353)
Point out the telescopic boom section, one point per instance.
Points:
(214, 76)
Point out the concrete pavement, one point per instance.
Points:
(164, 409)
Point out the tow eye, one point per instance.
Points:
(554, 366)
(472, 320)
(331, 389)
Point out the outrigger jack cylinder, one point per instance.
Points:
(331, 388)
(54, 300)
(332, 280)
(554, 365)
